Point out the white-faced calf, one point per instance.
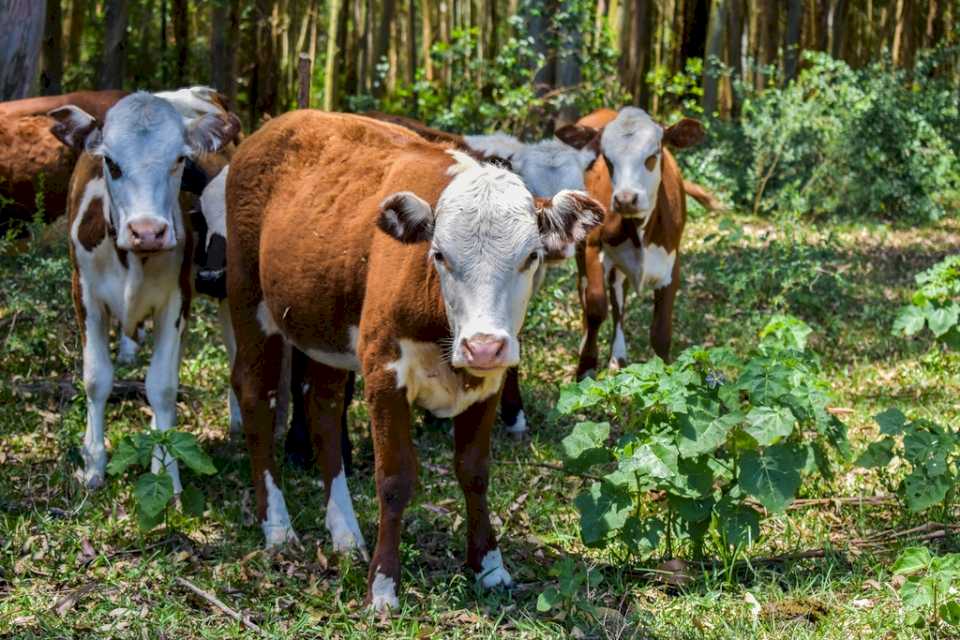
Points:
(372, 250)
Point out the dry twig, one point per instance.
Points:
(218, 604)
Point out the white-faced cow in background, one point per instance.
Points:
(427, 308)
(130, 245)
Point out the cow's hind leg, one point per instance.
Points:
(511, 404)
(661, 329)
(230, 342)
(163, 380)
(617, 285)
(472, 464)
(97, 382)
(593, 299)
(323, 401)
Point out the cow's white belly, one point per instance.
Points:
(650, 265)
(432, 383)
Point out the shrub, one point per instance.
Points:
(931, 587)
(715, 434)
(936, 304)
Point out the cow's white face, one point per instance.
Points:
(632, 148)
(549, 167)
(488, 235)
(143, 145)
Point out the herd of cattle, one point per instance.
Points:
(370, 245)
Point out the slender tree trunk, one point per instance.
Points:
(181, 36)
(714, 50)
(768, 26)
(224, 34)
(791, 41)
(641, 47)
(933, 31)
(568, 64)
(735, 10)
(444, 22)
(265, 73)
(382, 44)
(838, 28)
(426, 38)
(21, 23)
(78, 15)
(51, 75)
(330, 67)
(163, 43)
(538, 22)
(696, 18)
(114, 62)
(412, 43)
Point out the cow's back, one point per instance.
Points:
(96, 103)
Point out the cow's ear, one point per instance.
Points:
(580, 137)
(406, 217)
(683, 134)
(212, 131)
(566, 219)
(76, 128)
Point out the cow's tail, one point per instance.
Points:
(709, 201)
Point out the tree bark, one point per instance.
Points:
(264, 87)
(791, 40)
(114, 63)
(426, 39)
(330, 64)
(51, 76)
(412, 43)
(735, 22)
(538, 22)
(714, 50)
(224, 35)
(181, 36)
(78, 15)
(568, 65)
(21, 23)
(696, 19)
(641, 48)
(934, 27)
(381, 47)
(768, 26)
(838, 28)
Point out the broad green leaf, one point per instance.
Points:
(146, 521)
(739, 523)
(912, 560)
(768, 425)
(927, 449)
(603, 509)
(877, 454)
(689, 509)
(772, 476)
(653, 459)
(950, 612)
(153, 492)
(548, 599)
(942, 319)
(125, 455)
(910, 321)
(693, 479)
(921, 492)
(786, 332)
(891, 421)
(184, 447)
(700, 432)
(193, 501)
(643, 537)
(580, 395)
(917, 593)
(586, 446)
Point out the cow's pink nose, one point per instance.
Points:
(626, 201)
(148, 235)
(484, 351)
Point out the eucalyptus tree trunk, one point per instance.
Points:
(51, 76)
(78, 15)
(181, 36)
(426, 38)
(791, 40)
(21, 23)
(381, 49)
(330, 64)
(714, 50)
(114, 62)
(224, 35)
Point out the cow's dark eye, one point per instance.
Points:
(531, 260)
(438, 257)
(113, 167)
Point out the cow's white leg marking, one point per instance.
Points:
(97, 382)
(127, 351)
(163, 379)
(519, 425)
(384, 593)
(230, 341)
(619, 352)
(658, 265)
(265, 318)
(277, 529)
(341, 519)
(492, 572)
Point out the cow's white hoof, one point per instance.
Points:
(492, 572)
(347, 541)
(519, 426)
(90, 479)
(383, 593)
(94, 469)
(276, 536)
(277, 529)
(617, 363)
(127, 351)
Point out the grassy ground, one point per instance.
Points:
(76, 565)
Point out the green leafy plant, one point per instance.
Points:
(930, 451)
(698, 449)
(929, 593)
(153, 492)
(935, 305)
(567, 596)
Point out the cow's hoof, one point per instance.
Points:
(617, 363)
(518, 429)
(383, 593)
(91, 480)
(127, 351)
(277, 536)
(346, 539)
(492, 572)
(589, 373)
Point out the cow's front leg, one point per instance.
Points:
(472, 464)
(230, 342)
(593, 299)
(163, 379)
(97, 382)
(617, 285)
(511, 404)
(396, 475)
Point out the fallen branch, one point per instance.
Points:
(553, 467)
(218, 604)
(854, 500)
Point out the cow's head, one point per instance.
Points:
(143, 145)
(632, 147)
(488, 236)
(551, 166)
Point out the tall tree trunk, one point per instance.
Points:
(838, 27)
(443, 20)
(264, 84)
(903, 40)
(696, 18)
(181, 20)
(21, 23)
(114, 62)
(538, 22)
(163, 43)
(640, 47)
(51, 76)
(768, 26)
(330, 65)
(735, 11)
(791, 41)
(714, 51)
(412, 43)
(934, 27)
(224, 35)
(426, 39)
(568, 64)
(381, 49)
(78, 15)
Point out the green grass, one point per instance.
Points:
(61, 546)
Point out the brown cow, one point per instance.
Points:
(427, 308)
(639, 241)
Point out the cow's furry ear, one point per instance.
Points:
(76, 128)
(406, 217)
(580, 137)
(683, 134)
(208, 133)
(566, 219)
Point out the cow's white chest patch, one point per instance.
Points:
(657, 266)
(648, 266)
(432, 383)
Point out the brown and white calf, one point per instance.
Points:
(372, 250)
(130, 245)
(639, 242)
